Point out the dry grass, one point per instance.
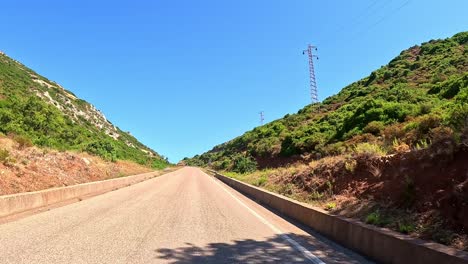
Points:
(314, 183)
(24, 168)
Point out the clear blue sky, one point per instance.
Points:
(183, 76)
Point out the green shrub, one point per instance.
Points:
(261, 180)
(332, 149)
(4, 156)
(315, 195)
(369, 149)
(288, 148)
(375, 218)
(458, 116)
(406, 228)
(451, 87)
(330, 206)
(104, 149)
(422, 144)
(427, 122)
(461, 38)
(425, 108)
(158, 164)
(374, 127)
(350, 164)
(225, 164)
(243, 164)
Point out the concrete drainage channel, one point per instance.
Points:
(381, 245)
(23, 202)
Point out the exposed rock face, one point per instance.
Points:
(75, 108)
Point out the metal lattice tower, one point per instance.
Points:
(262, 117)
(313, 83)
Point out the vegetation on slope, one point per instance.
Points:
(336, 154)
(421, 192)
(420, 96)
(41, 112)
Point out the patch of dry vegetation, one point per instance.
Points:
(25, 168)
(404, 191)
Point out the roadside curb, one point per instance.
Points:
(379, 244)
(22, 202)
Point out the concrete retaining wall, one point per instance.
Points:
(381, 245)
(17, 203)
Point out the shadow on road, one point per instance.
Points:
(271, 250)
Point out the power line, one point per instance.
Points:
(394, 11)
(360, 15)
(357, 21)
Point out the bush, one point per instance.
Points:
(451, 87)
(243, 164)
(4, 156)
(400, 147)
(23, 142)
(330, 206)
(374, 127)
(375, 218)
(158, 164)
(333, 149)
(461, 38)
(288, 148)
(225, 164)
(261, 180)
(369, 149)
(441, 133)
(104, 149)
(406, 228)
(393, 132)
(425, 109)
(427, 122)
(350, 164)
(458, 117)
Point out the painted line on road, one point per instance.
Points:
(314, 259)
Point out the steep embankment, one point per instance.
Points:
(28, 168)
(390, 149)
(35, 111)
(418, 97)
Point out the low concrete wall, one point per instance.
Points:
(17, 203)
(381, 245)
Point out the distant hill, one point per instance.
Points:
(39, 111)
(419, 97)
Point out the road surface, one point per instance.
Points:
(185, 216)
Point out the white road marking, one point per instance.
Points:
(314, 259)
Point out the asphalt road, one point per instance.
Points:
(182, 217)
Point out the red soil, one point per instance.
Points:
(32, 169)
(433, 179)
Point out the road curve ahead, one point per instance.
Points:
(182, 217)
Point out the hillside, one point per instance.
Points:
(390, 149)
(40, 112)
(419, 97)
